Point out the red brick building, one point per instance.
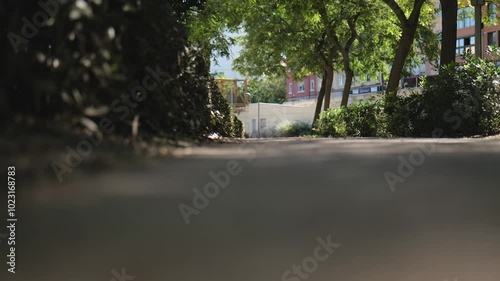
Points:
(466, 38)
(305, 89)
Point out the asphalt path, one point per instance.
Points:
(264, 210)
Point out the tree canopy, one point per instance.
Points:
(356, 37)
(267, 89)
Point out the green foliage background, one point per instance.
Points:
(463, 101)
(92, 52)
(270, 89)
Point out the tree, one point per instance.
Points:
(354, 29)
(409, 27)
(207, 30)
(323, 36)
(318, 37)
(267, 89)
(121, 62)
(281, 35)
(449, 31)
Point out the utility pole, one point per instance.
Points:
(478, 4)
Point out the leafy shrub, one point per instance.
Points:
(464, 100)
(224, 122)
(238, 128)
(293, 129)
(286, 129)
(95, 54)
(360, 119)
(403, 114)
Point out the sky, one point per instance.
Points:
(222, 64)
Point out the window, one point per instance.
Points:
(465, 18)
(290, 88)
(301, 87)
(492, 12)
(465, 44)
(254, 125)
(469, 44)
(460, 47)
(460, 21)
(341, 80)
(492, 39)
(469, 18)
(368, 79)
(312, 85)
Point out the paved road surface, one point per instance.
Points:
(284, 200)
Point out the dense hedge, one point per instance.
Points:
(287, 129)
(119, 60)
(360, 119)
(463, 101)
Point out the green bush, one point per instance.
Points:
(293, 129)
(403, 114)
(94, 54)
(238, 128)
(360, 119)
(224, 122)
(463, 101)
(287, 129)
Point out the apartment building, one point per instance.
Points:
(305, 89)
(308, 88)
(466, 39)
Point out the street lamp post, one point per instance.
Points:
(478, 49)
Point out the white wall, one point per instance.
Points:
(274, 114)
(277, 113)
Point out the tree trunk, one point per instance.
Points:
(349, 75)
(319, 102)
(402, 52)
(449, 33)
(328, 87)
(382, 82)
(409, 27)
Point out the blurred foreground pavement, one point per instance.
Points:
(441, 223)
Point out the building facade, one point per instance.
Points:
(305, 89)
(308, 88)
(466, 39)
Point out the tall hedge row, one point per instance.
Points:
(122, 61)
